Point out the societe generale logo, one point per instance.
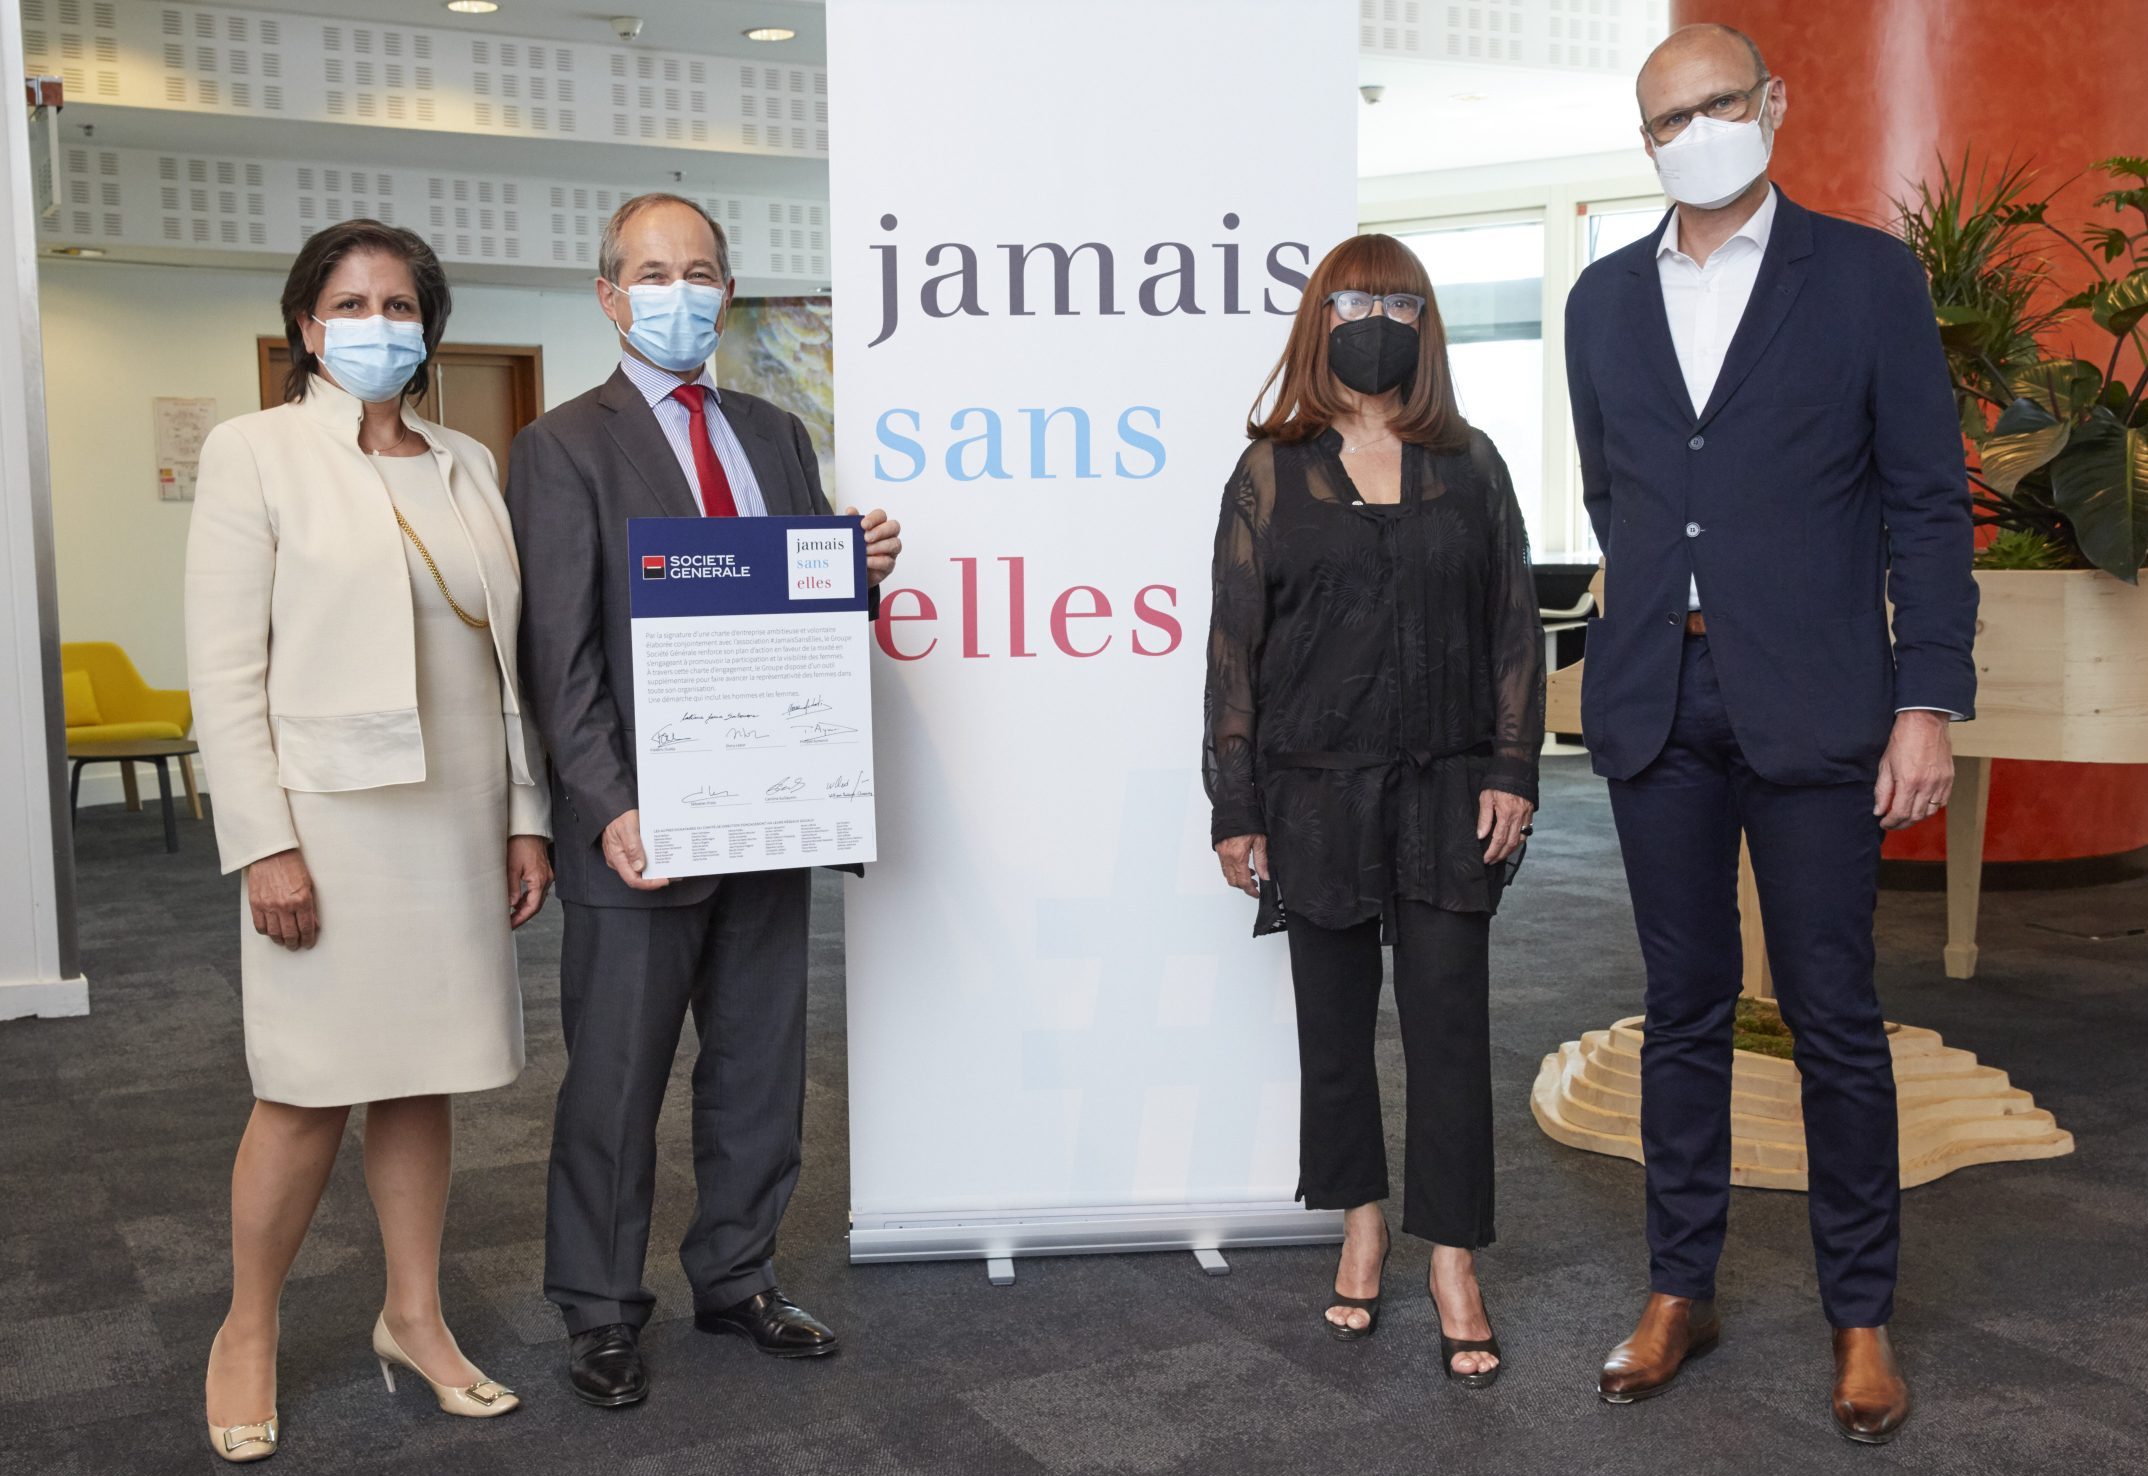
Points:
(652, 566)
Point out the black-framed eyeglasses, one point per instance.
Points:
(1351, 304)
(1724, 107)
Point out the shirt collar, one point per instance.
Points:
(657, 384)
(1756, 230)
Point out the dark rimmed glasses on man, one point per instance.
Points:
(1724, 107)
(1351, 305)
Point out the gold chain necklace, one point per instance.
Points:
(475, 622)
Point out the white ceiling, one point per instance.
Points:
(1433, 115)
(674, 25)
(217, 134)
(1439, 115)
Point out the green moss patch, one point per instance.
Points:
(1760, 1028)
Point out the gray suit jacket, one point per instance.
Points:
(575, 475)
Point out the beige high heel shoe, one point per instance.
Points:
(479, 1401)
(240, 1444)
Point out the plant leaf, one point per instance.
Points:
(2129, 164)
(1964, 328)
(2101, 485)
(2133, 199)
(2114, 240)
(2122, 304)
(2065, 387)
(2026, 437)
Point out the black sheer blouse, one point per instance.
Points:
(1371, 669)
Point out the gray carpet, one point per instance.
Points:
(2021, 1317)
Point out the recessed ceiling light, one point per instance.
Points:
(86, 252)
(473, 7)
(1470, 97)
(771, 33)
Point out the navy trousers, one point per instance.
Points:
(1816, 859)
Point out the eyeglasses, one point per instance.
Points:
(1403, 307)
(1726, 107)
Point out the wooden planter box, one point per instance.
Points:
(2062, 668)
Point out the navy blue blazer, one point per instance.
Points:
(1824, 478)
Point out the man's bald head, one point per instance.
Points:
(1704, 47)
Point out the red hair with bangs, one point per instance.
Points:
(1308, 397)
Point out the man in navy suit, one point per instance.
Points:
(1769, 454)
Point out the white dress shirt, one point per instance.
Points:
(676, 420)
(1705, 304)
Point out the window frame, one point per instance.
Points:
(1564, 535)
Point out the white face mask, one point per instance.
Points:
(1711, 163)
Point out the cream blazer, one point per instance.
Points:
(300, 634)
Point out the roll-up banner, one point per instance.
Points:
(1068, 239)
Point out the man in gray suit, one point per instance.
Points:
(657, 439)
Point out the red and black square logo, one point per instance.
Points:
(652, 566)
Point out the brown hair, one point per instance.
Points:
(1306, 400)
(316, 263)
(610, 249)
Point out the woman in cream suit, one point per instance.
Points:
(352, 600)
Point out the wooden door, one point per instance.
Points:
(487, 391)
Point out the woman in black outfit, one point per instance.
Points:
(1375, 707)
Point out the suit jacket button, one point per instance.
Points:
(1672, 617)
(1692, 530)
(1696, 443)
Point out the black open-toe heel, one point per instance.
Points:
(1448, 1347)
(1343, 1332)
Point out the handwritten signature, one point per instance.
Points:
(819, 732)
(742, 735)
(847, 787)
(707, 796)
(810, 705)
(664, 739)
(784, 788)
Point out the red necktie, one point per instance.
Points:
(715, 486)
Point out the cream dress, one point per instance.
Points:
(411, 989)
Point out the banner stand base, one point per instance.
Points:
(999, 1238)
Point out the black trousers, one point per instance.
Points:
(1443, 994)
(629, 978)
(1816, 860)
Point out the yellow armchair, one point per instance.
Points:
(124, 708)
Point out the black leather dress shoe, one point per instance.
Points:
(604, 1365)
(777, 1325)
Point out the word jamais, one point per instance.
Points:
(1174, 281)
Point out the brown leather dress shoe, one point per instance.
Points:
(1672, 1330)
(1871, 1396)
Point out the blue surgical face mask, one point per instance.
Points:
(675, 324)
(372, 357)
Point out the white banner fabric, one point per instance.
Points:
(1067, 242)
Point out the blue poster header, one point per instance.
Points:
(745, 566)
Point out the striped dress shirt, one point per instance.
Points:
(675, 419)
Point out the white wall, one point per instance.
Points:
(116, 336)
(37, 923)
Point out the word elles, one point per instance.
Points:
(1151, 629)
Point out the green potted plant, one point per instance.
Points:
(2059, 463)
